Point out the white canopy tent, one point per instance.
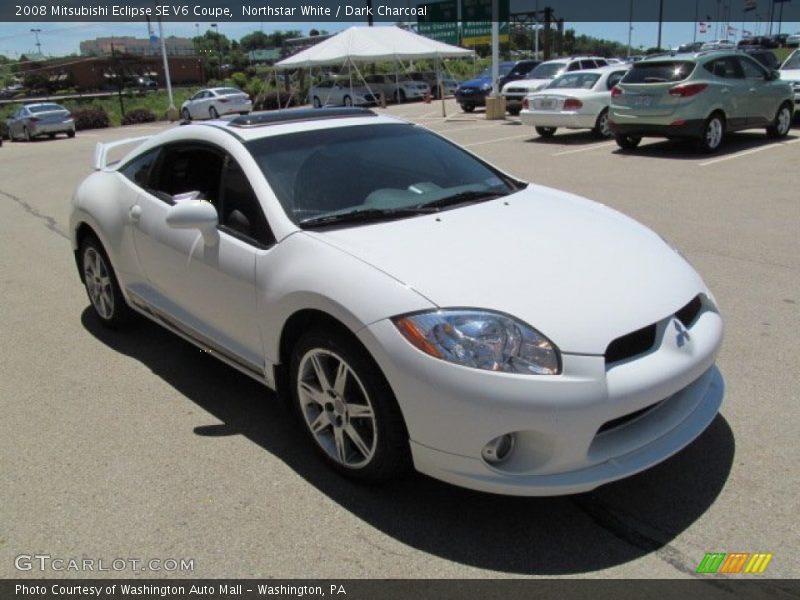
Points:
(370, 45)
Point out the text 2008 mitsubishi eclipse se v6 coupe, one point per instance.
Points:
(417, 305)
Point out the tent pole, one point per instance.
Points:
(277, 89)
(440, 85)
(350, 76)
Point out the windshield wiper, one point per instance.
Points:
(462, 198)
(363, 216)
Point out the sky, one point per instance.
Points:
(58, 39)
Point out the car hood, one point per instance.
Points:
(532, 85)
(579, 272)
(477, 82)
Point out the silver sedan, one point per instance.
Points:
(35, 120)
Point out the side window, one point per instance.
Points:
(751, 69)
(588, 64)
(194, 170)
(574, 66)
(615, 78)
(138, 170)
(727, 68)
(601, 62)
(240, 212)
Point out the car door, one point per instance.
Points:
(762, 103)
(194, 103)
(206, 291)
(733, 90)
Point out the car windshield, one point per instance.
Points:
(45, 108)
(546, 71)
(503, 68)
(229, 91)
(583, 81)
(659, 72)
(387, 170)
(793, 62)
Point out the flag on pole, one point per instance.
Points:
(732, 29)
(749, 5)
(747, 33)
(703, 26)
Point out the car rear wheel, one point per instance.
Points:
(101, 285)
(26, 135)
(317, 102)
(348, 101)
(187, 116)
(546, 132)
(71, 133)
(628, 142)
(52, 136)
(514, 112)
(782, 123)
(601, 126)
(212, 112)
(347, 408)
(713, 132)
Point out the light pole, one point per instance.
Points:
(630, 27)
(215, 27)
(660, 21)
(36, 32)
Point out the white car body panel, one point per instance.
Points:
(580, 273)
(793, 75)
(224, 104)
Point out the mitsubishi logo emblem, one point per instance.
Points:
(683, 335)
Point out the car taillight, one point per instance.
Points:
(687, 89)
(525, 104)
(616, 91)
(572, 104)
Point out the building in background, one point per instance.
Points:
(176, 46)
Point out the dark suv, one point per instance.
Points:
(473, 93)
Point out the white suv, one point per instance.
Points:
(515, 91)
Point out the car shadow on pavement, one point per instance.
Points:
(612, 525)
(688, 150)
(579, 137)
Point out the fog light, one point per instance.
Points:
(498, 449)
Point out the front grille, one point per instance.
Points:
(631, 344)
(620, 421)
(689, 313)
(516, 90)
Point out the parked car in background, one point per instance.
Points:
(39, 119)
(762, 41)
(576, 100)
(472, 93)
(690, 47)
(353, 262)
(699, 96)
(145, 84)
(790, 72)
(214, 102)
(718, 45)
(330, 92)
(793, 40)
(780, 39)
(763, 55)
(399, 88)
(540, 77)
(450, 85)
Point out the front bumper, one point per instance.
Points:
(567, 119)
(451, 411)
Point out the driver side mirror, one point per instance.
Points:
(774, 75)
(195, 214)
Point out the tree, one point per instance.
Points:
(258, 40)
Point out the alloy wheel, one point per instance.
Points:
(98, 283)
(713, 134)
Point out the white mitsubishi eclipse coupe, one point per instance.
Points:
(416, 305)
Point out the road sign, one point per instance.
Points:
(476, 18)
(440, 22)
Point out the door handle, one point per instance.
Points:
(135, 213)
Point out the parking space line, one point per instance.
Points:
(503, 139)
(585, 149)
(746, 152)
(444, 131)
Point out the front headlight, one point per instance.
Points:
(486, 86)
(482, 340)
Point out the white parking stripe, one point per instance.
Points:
(585, 149)
(503, 139)
(746, 152)
(444, 131)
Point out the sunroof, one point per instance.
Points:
(298, 114)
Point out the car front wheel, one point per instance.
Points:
(212, 112)
(187, 116)
(101, 285)
(347, 408)
(468, 108)
(782, 123)
(546, 132)
(628, 142)
(713, 132)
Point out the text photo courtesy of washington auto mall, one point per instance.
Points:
(399, 299)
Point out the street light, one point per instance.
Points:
(215, 27)
(36, 32)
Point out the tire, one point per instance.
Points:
(26, 135)
(468, 108)
(782, 122)
(102, 287)
(546, 132)
(187, 116)
(628, 142)
(601, 129)
(52, 136)
(71, 133)
(317, 102)
(212, 113)
(713, 133)
(348, 101)
(514, 112)
(370, 445)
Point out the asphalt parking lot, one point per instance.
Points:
(136, 445)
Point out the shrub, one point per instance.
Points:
(138, 115)
(90, 118)
(269, 101)
(239, 80)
